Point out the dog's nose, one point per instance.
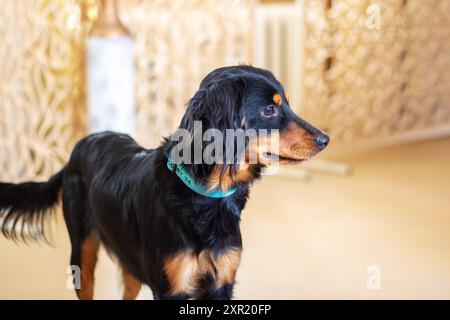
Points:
(322, 141)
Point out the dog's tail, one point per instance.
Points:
(24, 206)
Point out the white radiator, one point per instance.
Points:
(278, 45)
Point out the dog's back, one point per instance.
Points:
(97, 155)
(104, 173)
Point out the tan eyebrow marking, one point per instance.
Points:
(277, 99)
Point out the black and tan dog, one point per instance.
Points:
(164, 234)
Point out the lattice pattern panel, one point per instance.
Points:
(177, 43)
(369, 83)
(41, 105)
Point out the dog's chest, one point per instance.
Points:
(185, 269)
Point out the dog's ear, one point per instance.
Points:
(217, 105)
(223, 104)
(223, 110)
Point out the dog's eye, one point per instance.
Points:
(269, 111)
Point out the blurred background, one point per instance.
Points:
(369, 218)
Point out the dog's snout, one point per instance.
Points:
(322, 141)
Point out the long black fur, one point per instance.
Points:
(140, 210)
(26, 204)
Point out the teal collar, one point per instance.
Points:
(193, 185)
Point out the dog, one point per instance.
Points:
(160, 219)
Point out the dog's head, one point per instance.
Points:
(251, 100)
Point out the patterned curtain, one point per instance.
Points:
(41, 105)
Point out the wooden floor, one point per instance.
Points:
(305, 240)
